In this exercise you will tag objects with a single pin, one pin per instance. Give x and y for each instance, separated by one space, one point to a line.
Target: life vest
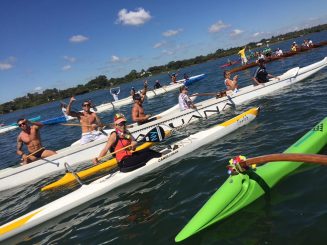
122 140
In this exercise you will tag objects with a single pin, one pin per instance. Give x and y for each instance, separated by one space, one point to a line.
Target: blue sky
63 43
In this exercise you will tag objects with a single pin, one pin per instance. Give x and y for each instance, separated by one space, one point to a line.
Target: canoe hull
112 181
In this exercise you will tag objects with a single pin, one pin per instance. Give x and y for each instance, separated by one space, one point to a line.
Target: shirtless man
89 122
138 114
31 138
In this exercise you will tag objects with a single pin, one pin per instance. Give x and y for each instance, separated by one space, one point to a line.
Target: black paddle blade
156 134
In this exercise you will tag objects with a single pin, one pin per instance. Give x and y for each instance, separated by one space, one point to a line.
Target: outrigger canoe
242 189
109 182
12 177
273 58
150 93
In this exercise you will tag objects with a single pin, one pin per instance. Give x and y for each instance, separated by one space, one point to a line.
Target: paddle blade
156 134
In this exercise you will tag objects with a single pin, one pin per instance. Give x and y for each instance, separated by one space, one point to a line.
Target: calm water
154 208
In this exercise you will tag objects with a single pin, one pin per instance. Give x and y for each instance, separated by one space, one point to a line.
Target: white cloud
70 59
78 39
114 59
66 67
133 18
218 26
159 44
7 64
236 32
170 33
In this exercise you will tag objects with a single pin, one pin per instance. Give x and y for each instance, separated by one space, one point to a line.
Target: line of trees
102 82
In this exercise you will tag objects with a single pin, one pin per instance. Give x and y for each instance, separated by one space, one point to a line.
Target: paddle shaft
79 125
293 157
31 154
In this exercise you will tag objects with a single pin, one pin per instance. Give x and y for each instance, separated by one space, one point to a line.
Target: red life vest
122 142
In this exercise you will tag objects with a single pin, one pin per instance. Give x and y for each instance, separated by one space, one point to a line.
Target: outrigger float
243 188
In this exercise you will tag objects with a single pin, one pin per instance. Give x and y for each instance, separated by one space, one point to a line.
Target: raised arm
69 111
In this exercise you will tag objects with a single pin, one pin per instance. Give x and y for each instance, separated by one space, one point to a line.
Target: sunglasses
86 105
21 124
121 124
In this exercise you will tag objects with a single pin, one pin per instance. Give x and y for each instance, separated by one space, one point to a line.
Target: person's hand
94 126
133 145
72 99
235 77
24 159
148 116
95 161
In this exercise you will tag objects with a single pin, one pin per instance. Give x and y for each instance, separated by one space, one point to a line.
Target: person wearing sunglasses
30 136
89 121
123 144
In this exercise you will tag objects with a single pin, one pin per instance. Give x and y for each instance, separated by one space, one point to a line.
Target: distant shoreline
102 82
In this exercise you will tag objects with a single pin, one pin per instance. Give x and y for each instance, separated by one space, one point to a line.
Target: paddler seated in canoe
294 47
132 92
30 136
231 85
173 77
184 100
261 75
115 93
123 143
157 85
89 121
138 114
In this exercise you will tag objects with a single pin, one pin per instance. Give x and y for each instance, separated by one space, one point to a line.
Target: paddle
111 125
293 157
240 164
156 134
217 95
31 154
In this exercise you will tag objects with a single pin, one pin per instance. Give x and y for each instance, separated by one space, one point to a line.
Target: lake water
154 208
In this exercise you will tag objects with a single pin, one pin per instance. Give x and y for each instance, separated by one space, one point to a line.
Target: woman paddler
123 143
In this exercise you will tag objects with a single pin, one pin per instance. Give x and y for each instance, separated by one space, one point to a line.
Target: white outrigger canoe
150 94
111 181
13 177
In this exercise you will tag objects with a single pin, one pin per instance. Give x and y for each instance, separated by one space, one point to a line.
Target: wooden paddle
31 154
111 125
217 95
293 157
156 134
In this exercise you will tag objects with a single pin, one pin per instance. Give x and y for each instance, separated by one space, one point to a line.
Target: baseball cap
137 97
119 117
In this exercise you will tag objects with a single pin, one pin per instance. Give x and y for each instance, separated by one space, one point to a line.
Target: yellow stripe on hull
18 223
107 165
253 111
